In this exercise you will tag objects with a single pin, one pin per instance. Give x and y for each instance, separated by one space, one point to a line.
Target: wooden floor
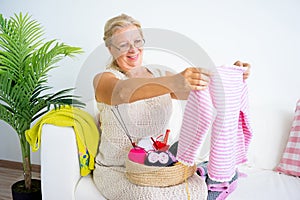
10 172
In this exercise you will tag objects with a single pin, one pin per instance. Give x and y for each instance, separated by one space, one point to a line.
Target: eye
138 42
153 157
163 158
124 45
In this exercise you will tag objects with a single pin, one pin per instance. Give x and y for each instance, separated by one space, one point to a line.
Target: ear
109 49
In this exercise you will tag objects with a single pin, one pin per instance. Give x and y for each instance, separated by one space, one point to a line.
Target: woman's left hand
247 72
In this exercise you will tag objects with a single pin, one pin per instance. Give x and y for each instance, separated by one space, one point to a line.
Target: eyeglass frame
130 45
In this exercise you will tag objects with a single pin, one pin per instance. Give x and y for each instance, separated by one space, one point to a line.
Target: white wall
264 33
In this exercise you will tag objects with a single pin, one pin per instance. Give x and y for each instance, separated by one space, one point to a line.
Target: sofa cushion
270 128
87 190
266 184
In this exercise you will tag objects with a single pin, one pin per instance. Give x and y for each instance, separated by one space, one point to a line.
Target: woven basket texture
144 175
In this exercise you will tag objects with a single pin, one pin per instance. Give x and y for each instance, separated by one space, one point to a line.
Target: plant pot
20 193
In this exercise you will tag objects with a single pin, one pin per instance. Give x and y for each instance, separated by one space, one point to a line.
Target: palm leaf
25 60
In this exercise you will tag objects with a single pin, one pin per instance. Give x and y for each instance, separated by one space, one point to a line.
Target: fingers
246 74
197 78
200 70
196 87
200 76
196 82
242 64
246 65
238 63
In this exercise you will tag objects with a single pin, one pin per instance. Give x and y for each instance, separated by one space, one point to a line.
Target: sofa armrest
60 171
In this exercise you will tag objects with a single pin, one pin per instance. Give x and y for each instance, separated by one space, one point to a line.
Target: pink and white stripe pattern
227 95
290 161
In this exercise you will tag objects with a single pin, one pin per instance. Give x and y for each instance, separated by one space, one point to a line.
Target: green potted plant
25 60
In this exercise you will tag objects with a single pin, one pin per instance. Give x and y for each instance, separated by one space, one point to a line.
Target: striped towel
290 161
227 95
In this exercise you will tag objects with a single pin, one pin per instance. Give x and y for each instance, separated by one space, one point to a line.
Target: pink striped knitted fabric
290 161
227 95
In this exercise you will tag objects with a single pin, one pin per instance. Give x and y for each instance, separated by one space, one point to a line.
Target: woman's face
127 47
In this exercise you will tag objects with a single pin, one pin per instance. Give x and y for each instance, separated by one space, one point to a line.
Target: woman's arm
113 91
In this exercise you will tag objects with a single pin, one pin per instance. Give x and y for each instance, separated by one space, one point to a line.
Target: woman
142 97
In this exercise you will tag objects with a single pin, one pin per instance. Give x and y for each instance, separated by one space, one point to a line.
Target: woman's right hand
191 78
195 78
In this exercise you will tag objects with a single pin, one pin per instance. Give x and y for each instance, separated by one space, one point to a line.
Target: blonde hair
117 23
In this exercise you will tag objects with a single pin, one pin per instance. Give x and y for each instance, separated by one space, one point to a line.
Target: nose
132 48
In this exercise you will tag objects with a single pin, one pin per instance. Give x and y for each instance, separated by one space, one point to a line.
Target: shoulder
103 76
110 72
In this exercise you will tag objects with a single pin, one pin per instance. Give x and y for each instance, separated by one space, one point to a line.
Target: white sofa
60 166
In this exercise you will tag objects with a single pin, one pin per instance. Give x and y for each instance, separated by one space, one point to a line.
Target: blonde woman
143 99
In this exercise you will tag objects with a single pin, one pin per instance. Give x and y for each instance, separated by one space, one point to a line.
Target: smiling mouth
134 57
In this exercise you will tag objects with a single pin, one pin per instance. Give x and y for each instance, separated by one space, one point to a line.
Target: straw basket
157 176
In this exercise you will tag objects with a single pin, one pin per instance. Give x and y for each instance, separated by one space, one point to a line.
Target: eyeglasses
125 46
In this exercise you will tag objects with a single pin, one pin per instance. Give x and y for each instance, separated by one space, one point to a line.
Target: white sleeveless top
143 118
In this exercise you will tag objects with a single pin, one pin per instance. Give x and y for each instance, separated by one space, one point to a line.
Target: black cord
122 123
